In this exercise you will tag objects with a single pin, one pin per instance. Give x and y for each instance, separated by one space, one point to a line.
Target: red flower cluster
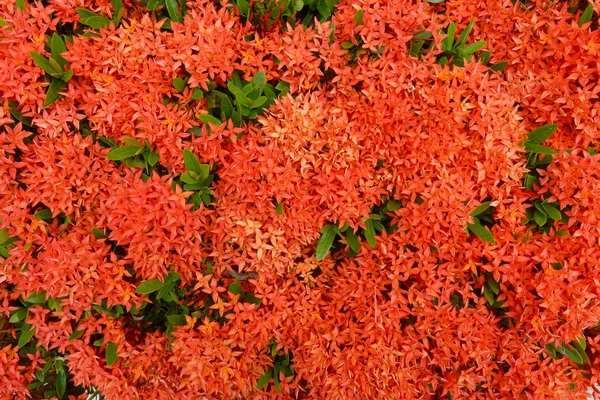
475 271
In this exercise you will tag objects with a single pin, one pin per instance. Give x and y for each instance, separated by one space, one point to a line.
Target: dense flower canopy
299 199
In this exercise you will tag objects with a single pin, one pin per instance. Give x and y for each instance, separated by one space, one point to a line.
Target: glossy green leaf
448 41
154 4
177 319
552 211
264 379
494 286
191 163
481 232
44 214
572 354
173 10
60 384
481 208
474 47
358 17
121 153
3 236
58 47
25 335
370 233
328 234
76 335
118 12
207 118
149 286
179 84
42 62
501 66
20 315
541 134
462 38
586 16
352 240
259 80
539 217
53 93
489 295
111 353
539 149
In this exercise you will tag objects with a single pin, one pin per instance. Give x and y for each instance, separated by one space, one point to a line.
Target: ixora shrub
289 199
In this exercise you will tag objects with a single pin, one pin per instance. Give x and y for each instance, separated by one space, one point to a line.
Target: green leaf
152 158
573 355
67 75
489 295
358 17
448 41
154 4
539 149
501 66
173 10
44 214
226 107
435 1
21 5
191 162
539 217
235 287
76 335
20 315
121 153
179 84
276 381
279 208
283 87
3 22
60 384
562 233
99 233
370 233
42 62
25 336
328 235
258 102
53 92
3 236
474 47
484 57
264 379
37 298
206 118
132 142
118 13
177 319
552 211
586 16
85 14
481 232
541 134
352 240
481 209
58 47
259 81
462 39
111 353
493 285
149 286
393 205
95 22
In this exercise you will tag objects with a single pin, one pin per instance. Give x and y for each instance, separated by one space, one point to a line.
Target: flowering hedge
299 199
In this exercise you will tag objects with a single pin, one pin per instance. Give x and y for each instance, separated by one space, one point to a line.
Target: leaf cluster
135 154
378 221
282 364
454 51
56 67
97 21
